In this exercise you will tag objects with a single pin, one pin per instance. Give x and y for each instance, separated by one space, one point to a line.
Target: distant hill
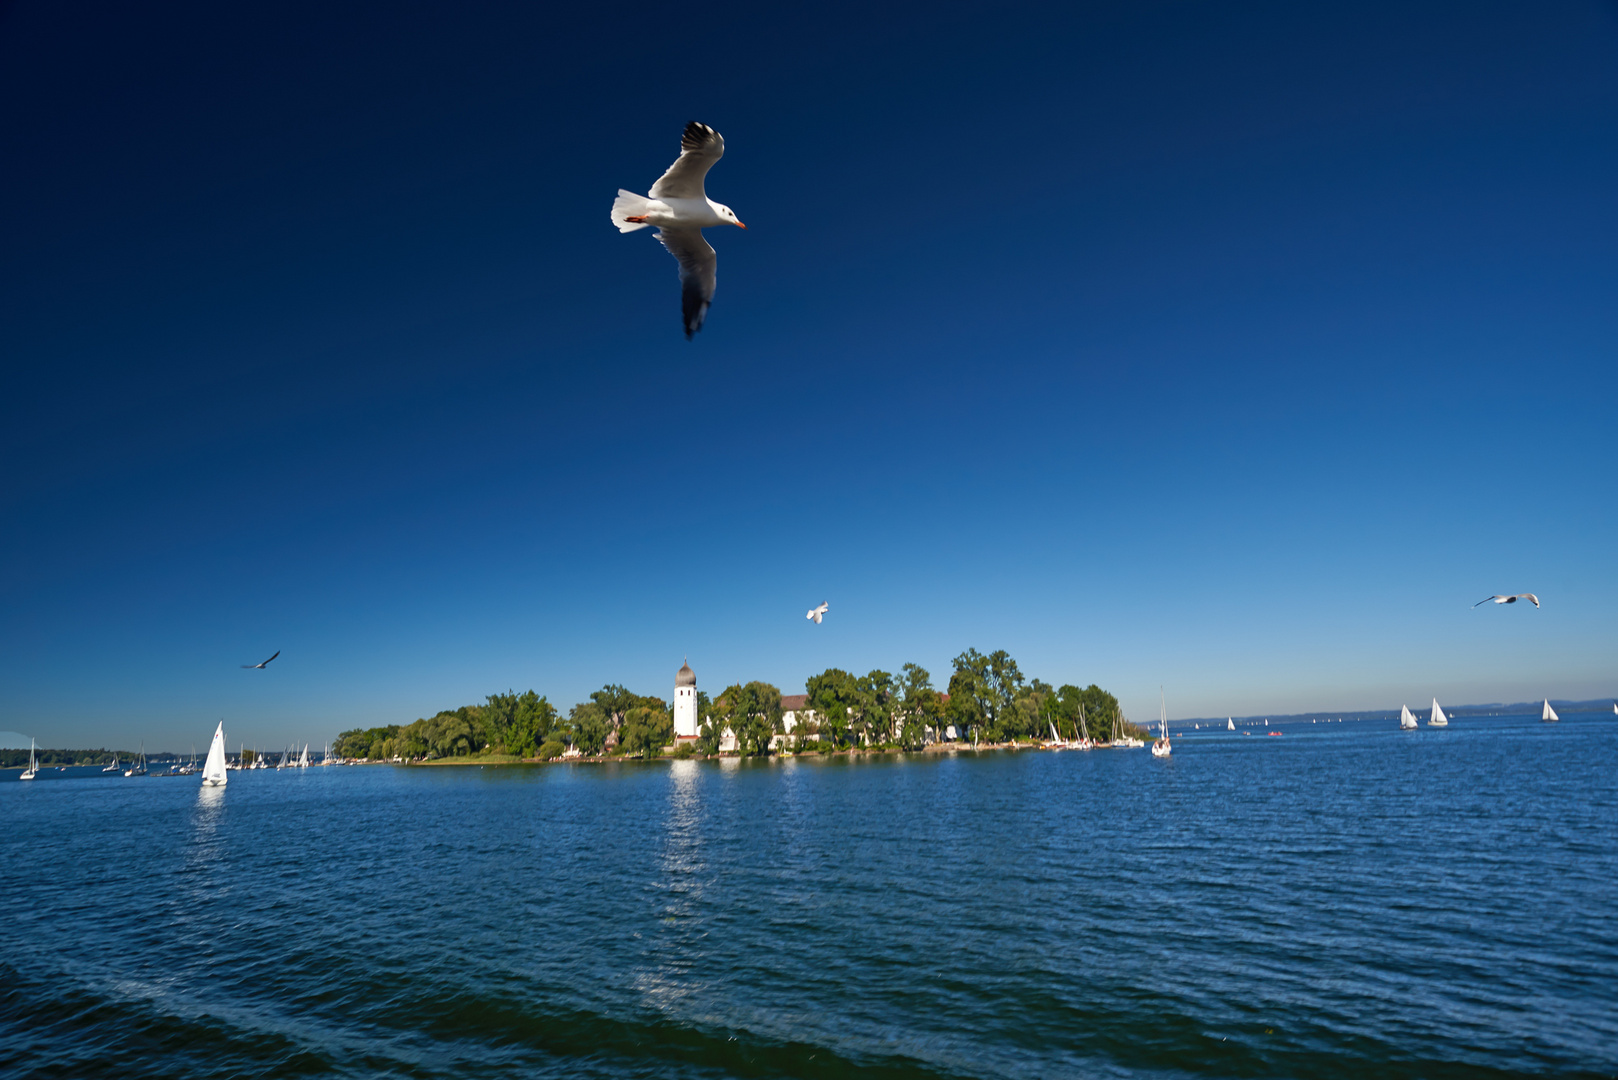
11 758
1494 708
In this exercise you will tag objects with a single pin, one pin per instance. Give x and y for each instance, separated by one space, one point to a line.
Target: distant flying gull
1509 599
816 614
680 208
277 653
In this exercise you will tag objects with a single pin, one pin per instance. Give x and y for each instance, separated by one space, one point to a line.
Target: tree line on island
988 700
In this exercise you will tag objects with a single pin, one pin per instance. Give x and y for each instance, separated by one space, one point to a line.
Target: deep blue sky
1236 349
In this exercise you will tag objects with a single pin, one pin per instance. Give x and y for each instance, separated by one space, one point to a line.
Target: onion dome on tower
685 676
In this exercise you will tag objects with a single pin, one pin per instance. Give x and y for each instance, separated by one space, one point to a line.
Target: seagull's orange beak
739 225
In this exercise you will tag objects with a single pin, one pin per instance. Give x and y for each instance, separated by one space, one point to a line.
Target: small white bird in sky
1509 599
816 614
680 208
254 666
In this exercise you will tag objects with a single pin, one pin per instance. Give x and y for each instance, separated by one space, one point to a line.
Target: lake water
1346 900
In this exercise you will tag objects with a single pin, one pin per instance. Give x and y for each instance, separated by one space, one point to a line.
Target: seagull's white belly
686 213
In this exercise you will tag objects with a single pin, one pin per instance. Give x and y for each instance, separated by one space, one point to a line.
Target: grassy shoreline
608 759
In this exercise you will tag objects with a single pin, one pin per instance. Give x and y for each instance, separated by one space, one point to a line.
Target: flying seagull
1509 599
680 208
277 653
816 614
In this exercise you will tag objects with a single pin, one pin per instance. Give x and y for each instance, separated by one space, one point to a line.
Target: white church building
687 723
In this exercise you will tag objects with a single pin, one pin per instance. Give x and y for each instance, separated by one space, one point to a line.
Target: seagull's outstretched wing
700 147
1530 596
277 653
1486 599
698 273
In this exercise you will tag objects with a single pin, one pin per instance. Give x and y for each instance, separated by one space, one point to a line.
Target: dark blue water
1343 901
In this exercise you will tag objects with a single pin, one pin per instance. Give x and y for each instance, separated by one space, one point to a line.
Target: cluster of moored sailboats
215 768
1117 738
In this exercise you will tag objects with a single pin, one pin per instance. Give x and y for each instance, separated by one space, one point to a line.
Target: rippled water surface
1342 901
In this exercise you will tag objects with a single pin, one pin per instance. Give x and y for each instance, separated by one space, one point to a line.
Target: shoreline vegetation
988 704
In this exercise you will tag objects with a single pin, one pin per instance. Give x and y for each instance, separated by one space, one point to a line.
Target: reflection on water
661 979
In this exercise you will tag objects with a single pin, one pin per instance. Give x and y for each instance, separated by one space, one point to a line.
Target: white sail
213 771
33 767
303 758
1161 747
1549 715
1407 719
1230 724
1438 719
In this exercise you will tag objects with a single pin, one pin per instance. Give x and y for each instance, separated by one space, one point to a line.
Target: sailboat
115 766
1161 747
33 766
303 758
1230 725
1085 742
138 766
1437 719
213 770
1407 719
1549 715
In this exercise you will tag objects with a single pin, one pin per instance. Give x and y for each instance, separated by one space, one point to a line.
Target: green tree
875 699
646 730
588 725
1099 708
921 707
833 695
708 737
971 704
982 696
753 714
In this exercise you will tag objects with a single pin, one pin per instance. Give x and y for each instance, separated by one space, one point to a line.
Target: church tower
685 703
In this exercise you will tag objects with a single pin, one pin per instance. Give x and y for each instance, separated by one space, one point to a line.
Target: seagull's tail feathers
626 206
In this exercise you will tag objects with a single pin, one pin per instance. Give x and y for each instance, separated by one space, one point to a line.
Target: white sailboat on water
1437 719
1407 719
1230 724
213 770
33 766
1549 715
303 758
1161 748
138 766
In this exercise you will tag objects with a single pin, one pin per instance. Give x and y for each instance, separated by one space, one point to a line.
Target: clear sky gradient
1232 348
